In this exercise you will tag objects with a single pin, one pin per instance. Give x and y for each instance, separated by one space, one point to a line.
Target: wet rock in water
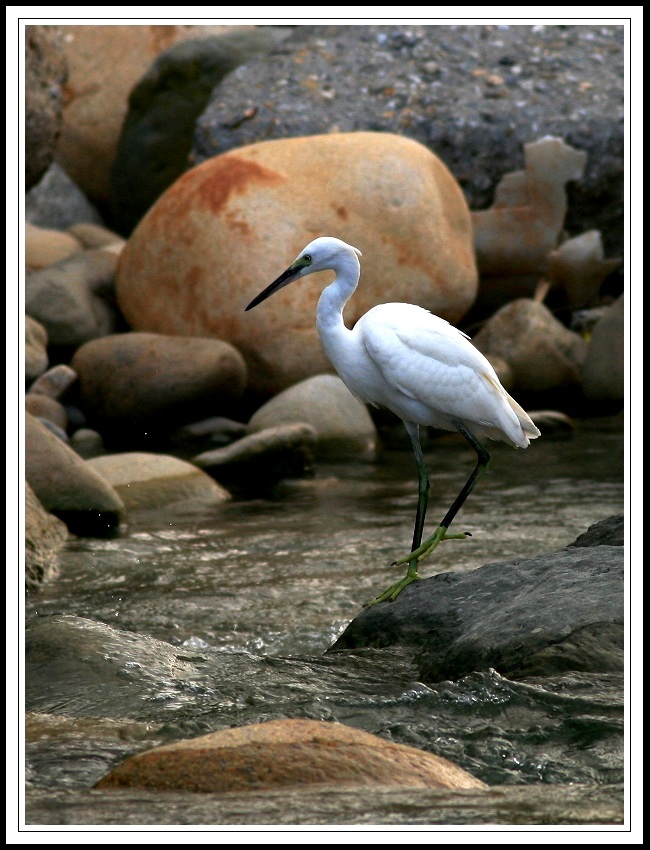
135 388
401 809
96 665
45 536
285 754
343 425
536 617
264 458
155 481
67 487
241 218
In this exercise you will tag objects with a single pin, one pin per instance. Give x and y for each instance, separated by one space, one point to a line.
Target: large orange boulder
228 227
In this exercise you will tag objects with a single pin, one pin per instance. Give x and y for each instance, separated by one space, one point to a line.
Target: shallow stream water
190 623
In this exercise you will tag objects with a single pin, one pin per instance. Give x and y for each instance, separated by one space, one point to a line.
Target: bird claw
429 545
413 559
394 590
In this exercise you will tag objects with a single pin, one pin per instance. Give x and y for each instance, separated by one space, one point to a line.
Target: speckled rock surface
473 94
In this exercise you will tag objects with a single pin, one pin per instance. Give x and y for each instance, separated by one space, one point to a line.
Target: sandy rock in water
286 753
157 481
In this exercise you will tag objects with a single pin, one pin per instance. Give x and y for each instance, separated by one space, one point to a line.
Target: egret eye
307 259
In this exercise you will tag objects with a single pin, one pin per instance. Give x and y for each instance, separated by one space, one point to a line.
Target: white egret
403 358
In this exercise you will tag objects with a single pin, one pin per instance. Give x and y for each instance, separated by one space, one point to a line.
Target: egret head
325 252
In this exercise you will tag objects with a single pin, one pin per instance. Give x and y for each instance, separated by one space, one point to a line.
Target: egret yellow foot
430 544
394 590
413 559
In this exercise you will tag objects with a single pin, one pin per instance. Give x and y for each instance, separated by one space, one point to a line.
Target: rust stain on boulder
230 175
210 186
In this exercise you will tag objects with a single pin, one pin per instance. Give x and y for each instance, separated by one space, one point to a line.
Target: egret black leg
482 463
423 484
421 550
420 513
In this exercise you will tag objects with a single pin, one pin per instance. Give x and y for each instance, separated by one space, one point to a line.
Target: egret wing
428 361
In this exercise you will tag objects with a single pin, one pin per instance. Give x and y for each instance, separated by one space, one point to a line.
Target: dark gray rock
607 532
542 616
473 94
205 435
260 460
57 202
156 137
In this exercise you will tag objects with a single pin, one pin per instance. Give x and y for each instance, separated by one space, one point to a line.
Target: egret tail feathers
524 430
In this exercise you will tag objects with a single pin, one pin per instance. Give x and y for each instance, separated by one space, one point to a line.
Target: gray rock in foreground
538 617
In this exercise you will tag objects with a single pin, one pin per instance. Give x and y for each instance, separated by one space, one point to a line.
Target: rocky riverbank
480 171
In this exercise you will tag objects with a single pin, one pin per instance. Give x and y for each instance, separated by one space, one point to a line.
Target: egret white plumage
427 372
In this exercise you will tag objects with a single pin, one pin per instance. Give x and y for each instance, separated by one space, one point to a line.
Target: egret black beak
285 278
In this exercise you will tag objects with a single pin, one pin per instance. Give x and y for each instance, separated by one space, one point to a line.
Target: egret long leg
424 486
440 534
423 497
419 550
